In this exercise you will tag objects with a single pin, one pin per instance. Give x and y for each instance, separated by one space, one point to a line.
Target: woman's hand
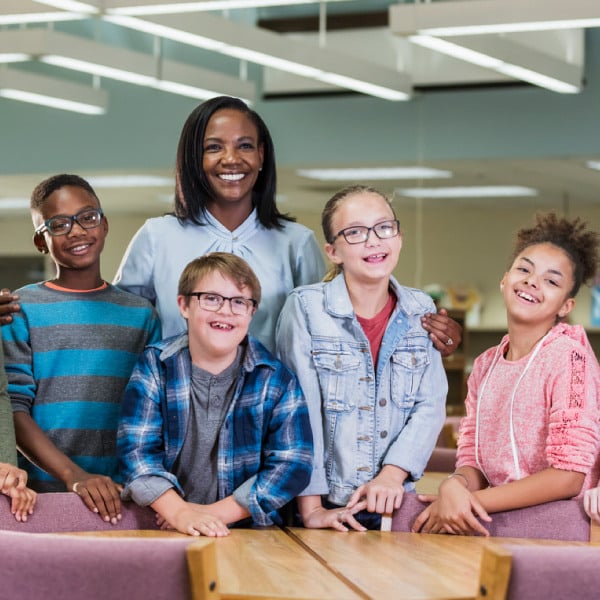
8 306
445 333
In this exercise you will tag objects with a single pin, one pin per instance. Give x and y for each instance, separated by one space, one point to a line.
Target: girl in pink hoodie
531 433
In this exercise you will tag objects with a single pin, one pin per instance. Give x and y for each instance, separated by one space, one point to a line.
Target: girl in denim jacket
373 380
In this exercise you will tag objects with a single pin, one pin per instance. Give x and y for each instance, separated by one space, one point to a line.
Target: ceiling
559 181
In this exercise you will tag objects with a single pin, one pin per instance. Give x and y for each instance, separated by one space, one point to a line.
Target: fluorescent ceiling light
38 17
486 191
479 17
376 173
274 50
509 58
593 164
52 92
12 57
129 181
159 7
88 56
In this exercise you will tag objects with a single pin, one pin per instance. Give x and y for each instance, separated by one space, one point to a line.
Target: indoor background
481 127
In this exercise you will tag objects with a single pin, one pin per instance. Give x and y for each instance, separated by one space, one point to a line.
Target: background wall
444 242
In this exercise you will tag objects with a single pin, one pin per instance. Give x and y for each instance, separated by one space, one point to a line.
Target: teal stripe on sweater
77 415
79 363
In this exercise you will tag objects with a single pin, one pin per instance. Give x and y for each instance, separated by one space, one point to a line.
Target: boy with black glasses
214 429
70 351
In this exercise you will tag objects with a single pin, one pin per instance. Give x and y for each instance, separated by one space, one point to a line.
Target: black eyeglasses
88 218
360 233
213 302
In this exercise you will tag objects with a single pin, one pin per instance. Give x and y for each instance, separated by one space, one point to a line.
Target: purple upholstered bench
39 566
523 572
63 512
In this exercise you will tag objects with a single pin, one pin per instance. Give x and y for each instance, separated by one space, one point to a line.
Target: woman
224 202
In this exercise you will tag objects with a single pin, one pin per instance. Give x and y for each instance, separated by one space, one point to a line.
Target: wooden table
404 565
263 563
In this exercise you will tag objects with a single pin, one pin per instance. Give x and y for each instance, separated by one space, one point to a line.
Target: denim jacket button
382 402
383 434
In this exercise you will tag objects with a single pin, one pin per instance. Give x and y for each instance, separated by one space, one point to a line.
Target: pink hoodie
555 412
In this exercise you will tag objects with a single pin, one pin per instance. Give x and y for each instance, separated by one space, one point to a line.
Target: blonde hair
228 265
330 209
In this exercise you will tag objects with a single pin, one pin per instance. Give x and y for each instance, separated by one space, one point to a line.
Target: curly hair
572 236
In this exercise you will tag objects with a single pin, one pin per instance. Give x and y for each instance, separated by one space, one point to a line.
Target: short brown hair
229 265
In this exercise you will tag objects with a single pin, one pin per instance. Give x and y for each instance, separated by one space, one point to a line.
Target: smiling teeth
222 325
526 297
232 176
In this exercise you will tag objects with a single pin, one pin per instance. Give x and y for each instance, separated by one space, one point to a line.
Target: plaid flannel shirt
265 438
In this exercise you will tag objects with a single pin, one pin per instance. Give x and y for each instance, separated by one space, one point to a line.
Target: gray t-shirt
210 398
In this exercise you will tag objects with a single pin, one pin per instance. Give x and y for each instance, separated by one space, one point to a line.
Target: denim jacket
363 416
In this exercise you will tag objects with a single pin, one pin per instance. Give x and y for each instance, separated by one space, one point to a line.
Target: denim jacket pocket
337 372
408 365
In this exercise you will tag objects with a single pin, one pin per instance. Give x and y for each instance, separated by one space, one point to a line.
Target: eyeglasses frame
44 227
341 232
198 295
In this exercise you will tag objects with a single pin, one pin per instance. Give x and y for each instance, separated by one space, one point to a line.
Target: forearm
169 505
38 448
308 504
228 510
545 486
472 478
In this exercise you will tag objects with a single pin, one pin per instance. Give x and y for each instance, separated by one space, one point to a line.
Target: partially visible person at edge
531 433
70 351
374 383
13 481
225 201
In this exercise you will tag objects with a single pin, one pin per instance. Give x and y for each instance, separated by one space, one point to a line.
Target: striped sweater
68 357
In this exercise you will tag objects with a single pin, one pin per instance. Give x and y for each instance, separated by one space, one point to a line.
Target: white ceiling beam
158 7
476 17
274 50
88 56
509 58
15 12
51 91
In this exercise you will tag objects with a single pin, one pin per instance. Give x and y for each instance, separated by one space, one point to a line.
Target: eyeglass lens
87 219
360 233
214 302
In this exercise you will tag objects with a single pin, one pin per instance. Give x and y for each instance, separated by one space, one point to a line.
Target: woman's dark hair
580 244
192 190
